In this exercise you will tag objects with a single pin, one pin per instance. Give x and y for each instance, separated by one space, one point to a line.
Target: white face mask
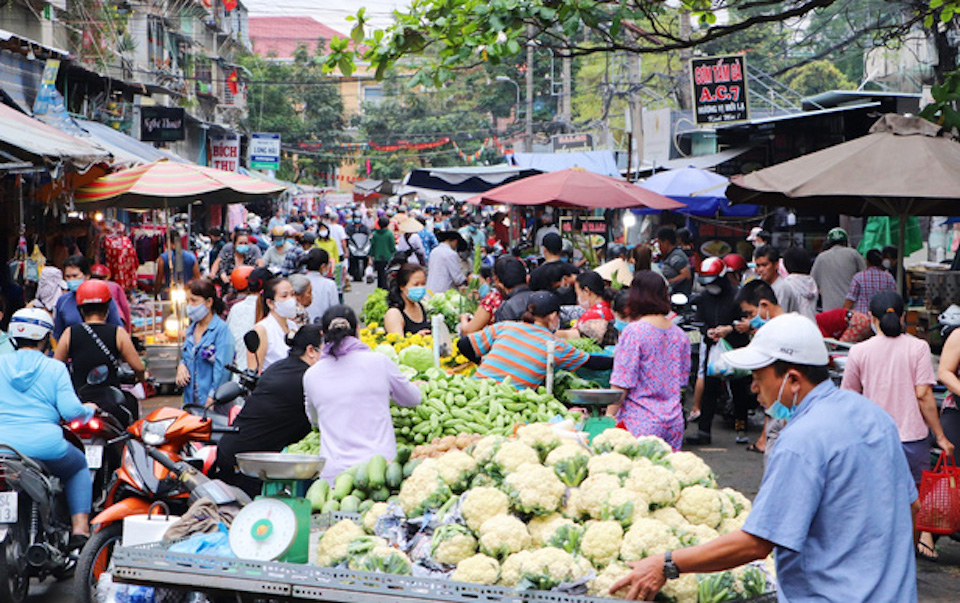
887 264
286 308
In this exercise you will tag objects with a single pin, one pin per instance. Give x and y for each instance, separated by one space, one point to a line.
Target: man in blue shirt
837 502
76 269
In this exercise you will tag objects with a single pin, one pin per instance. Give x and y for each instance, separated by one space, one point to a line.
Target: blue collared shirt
206 360
835 500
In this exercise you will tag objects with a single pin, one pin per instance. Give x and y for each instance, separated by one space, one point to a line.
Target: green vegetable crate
596 400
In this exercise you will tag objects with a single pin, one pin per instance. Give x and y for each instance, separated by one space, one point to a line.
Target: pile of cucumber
356 489
452 405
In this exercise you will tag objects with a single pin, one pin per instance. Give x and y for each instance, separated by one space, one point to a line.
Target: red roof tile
279 36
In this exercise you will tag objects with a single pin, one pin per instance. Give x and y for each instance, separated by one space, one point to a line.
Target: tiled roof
279 37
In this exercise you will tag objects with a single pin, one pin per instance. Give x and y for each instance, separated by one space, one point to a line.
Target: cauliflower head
383 559
534 489
547 567
695 534
539 436
456 469
652 447
614 440
335 542
647 537
657 485
601 542
690 469
741 503
478 569
511 456
503 535
731 524
684 589
480 504
557 531
423 490
624 506
372 515
613 463
600 586
569 461
750 581
485 448
573 505
700 505
594 492
671 517
452 543
510 569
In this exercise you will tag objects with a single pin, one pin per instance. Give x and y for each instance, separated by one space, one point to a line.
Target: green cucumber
317 494
403 454
360 477
342 486
350 504
394 474
380 494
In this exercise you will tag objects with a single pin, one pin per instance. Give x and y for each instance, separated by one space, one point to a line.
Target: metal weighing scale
596 400
276 525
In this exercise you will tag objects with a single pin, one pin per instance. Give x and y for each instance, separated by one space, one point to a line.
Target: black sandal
753 448
933 556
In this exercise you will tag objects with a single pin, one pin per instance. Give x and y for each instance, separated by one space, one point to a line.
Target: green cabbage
418 357
387 350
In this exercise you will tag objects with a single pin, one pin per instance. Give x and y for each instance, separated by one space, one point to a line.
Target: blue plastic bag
215 543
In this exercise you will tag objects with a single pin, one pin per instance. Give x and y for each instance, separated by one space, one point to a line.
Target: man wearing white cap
837 499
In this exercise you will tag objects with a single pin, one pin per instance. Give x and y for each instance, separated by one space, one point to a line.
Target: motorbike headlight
155 432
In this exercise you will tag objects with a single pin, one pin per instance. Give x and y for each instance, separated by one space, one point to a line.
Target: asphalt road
733 464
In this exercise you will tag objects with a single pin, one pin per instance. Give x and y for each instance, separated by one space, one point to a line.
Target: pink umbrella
575 188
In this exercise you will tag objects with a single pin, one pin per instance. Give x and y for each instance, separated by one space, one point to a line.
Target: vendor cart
160 326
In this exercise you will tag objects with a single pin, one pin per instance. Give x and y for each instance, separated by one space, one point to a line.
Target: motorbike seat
12 456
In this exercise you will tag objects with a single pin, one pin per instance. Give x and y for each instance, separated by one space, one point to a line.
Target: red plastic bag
940 498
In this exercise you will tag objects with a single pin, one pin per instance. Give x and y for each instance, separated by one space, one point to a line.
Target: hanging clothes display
121 258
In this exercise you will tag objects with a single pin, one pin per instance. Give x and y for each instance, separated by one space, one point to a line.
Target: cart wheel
94 559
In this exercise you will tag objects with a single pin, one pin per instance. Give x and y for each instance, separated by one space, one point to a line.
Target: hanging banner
225 152
719 89
264 151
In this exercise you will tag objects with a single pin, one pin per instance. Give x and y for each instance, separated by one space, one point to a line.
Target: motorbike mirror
252 341
98 375
228 392
679 299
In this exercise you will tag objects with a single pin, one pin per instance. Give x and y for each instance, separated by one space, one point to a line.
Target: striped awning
168 184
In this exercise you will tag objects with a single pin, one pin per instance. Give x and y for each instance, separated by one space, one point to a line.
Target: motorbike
153 469
35 523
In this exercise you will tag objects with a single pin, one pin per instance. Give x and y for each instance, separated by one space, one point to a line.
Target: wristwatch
670 569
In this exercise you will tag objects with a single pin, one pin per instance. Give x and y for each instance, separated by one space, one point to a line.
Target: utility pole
566 97
528 134
635 108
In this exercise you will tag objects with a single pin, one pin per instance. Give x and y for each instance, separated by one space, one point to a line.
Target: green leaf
513 47
947 15
935 4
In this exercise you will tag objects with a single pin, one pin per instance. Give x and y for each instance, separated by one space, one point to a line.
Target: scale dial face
263 530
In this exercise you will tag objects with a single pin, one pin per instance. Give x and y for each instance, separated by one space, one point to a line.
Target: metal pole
901 248
528 133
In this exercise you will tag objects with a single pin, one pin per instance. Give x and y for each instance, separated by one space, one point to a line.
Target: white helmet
31 323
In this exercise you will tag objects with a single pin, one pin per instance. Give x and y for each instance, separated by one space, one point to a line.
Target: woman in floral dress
651 364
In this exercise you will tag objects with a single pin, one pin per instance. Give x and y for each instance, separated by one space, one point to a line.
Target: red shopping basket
940 498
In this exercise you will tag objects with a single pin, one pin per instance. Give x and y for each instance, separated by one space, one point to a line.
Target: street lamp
503 78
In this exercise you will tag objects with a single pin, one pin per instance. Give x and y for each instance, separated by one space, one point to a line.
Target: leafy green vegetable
387 350
586 344
564 381
375 308
451 304
417 357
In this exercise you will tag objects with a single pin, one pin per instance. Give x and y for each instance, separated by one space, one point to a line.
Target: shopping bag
718 367
940 498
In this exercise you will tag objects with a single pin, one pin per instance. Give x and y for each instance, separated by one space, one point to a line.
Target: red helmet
711 269
93 292
735 262
99 271
238 278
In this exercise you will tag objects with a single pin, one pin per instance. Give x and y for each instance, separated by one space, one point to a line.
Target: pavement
733 465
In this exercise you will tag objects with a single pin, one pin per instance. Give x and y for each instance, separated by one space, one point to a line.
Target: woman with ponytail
895 370
348 393
273 416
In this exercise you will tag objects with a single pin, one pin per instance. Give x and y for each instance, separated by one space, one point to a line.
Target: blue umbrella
703 192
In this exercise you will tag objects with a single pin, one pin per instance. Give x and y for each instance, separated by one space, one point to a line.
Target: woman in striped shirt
518 350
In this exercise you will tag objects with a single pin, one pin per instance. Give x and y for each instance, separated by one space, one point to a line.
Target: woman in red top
592 295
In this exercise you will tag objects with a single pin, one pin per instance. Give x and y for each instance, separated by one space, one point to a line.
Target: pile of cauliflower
536 512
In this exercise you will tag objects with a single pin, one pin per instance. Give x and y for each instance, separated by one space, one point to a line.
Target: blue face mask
279 242
756 322
620 325
415 294
243 248
780 412
74 284
484 290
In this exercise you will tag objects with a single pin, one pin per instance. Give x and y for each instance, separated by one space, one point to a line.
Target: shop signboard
264 151
225 152
572 142
719 89
161 124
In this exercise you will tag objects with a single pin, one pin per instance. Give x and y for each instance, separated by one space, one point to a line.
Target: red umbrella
575 188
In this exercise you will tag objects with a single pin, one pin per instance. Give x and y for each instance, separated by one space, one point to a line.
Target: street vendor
837 495
348 394
518 350
406 314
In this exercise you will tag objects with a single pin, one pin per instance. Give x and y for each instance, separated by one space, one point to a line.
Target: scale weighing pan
591 397
280 465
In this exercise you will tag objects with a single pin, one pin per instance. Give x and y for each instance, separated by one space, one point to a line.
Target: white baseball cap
789 337
753 233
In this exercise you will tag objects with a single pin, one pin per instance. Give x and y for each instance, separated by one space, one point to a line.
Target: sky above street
328 12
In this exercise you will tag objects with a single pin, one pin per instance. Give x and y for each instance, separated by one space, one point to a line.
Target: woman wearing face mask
518 350
651 364
241 252
207 346
894 370
347 395
76 270
278 306
273 416
406 314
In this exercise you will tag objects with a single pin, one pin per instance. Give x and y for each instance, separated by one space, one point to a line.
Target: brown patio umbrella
903 167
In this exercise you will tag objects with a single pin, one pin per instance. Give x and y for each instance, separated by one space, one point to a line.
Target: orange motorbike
152 469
